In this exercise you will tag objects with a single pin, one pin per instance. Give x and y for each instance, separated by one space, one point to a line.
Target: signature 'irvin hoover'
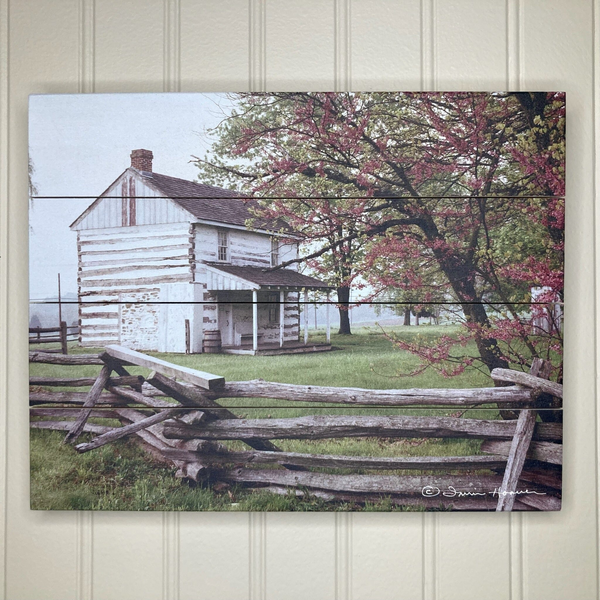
431 491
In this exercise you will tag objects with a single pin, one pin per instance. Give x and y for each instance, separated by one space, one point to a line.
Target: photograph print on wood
297 301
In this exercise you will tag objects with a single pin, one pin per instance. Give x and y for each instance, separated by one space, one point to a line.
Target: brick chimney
142 160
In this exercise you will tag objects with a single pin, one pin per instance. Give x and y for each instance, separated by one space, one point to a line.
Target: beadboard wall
66 46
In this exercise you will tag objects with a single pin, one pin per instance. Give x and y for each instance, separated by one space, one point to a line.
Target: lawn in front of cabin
121 476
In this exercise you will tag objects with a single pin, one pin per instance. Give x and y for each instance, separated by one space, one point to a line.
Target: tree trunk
460 272
343 294
487 346
407 316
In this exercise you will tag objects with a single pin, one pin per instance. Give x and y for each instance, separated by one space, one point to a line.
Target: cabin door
226 324
174 327
176 323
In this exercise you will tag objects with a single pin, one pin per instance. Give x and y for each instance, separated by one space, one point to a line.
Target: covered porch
258 309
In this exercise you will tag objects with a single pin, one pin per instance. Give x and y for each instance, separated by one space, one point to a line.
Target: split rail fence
174 414
52 335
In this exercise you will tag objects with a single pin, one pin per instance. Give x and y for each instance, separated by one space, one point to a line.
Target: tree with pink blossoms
440 195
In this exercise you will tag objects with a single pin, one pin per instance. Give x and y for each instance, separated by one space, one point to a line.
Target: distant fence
53 335
519 470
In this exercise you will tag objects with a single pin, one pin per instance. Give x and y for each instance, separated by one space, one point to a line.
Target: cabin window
223 245
274 251
273 301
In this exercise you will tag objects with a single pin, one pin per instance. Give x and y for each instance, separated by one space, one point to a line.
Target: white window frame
222 245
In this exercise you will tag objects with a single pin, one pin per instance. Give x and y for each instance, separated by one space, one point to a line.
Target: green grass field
121 476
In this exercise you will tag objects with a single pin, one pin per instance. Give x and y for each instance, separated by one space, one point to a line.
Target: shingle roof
210 203
267 277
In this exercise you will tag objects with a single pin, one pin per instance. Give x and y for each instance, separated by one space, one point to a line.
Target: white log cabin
165 264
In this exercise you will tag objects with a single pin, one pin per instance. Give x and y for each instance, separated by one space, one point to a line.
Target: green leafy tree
402 159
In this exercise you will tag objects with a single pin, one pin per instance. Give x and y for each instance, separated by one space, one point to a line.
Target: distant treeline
46 315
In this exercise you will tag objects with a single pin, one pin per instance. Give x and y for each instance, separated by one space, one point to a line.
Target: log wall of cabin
248 248
126 265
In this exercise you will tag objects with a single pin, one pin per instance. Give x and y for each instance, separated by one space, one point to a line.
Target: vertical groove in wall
343 82
171 83
515 550
513 35
524 557
427 45
4 73
86 45
85 556
513 83
429 521
343 556
343 45
257 522
513 63
596 193
257 40
257 82
170 544
520 42
85 520
429 558
172 53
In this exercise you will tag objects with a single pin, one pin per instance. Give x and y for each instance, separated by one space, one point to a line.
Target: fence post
187 337
63 337
519 447
328 330
305 316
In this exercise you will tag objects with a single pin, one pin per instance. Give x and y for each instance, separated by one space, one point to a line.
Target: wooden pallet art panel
297 301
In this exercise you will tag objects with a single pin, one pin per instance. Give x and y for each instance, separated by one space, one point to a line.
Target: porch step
276 350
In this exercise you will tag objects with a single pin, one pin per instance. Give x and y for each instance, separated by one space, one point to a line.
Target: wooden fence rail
61 334
328 427
356 396
174 414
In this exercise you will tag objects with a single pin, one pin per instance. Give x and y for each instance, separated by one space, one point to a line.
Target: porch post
254 320
281 317
305 316
328 321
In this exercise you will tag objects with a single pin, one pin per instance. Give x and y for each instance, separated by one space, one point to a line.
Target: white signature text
431 491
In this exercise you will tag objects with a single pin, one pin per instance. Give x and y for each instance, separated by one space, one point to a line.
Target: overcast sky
79 144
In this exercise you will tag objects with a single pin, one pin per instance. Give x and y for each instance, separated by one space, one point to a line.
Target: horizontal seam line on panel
288 407
291 303
490 197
